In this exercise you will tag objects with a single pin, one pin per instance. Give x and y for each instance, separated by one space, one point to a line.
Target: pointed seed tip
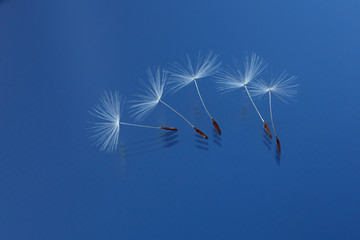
201 133
169 128
216 126
266 127
278 145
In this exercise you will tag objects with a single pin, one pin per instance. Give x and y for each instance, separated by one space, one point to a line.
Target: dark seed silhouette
216 126
201 133
278 145
267 129
169 128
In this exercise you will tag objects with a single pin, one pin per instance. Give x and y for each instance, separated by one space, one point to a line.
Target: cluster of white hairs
247 76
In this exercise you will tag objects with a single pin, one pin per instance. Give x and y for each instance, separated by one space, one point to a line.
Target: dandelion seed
182 75
108 111
282 87
231 79
152 95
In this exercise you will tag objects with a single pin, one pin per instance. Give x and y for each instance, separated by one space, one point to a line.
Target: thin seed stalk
176 112
215 124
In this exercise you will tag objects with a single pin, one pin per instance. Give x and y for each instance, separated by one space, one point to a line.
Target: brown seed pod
278 145
169 128
201 133
216 126
267 129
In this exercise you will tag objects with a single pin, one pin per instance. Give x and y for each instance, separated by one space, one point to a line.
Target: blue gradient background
56 57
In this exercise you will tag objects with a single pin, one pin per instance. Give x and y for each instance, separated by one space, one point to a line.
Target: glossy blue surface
57 57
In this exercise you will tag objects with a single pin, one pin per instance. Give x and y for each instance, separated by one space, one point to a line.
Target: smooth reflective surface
57 58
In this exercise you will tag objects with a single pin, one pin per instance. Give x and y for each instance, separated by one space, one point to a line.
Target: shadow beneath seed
169 136
165 140
266 136
277 158
170 144
216 138
201 143
202 147
266 140
267 144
